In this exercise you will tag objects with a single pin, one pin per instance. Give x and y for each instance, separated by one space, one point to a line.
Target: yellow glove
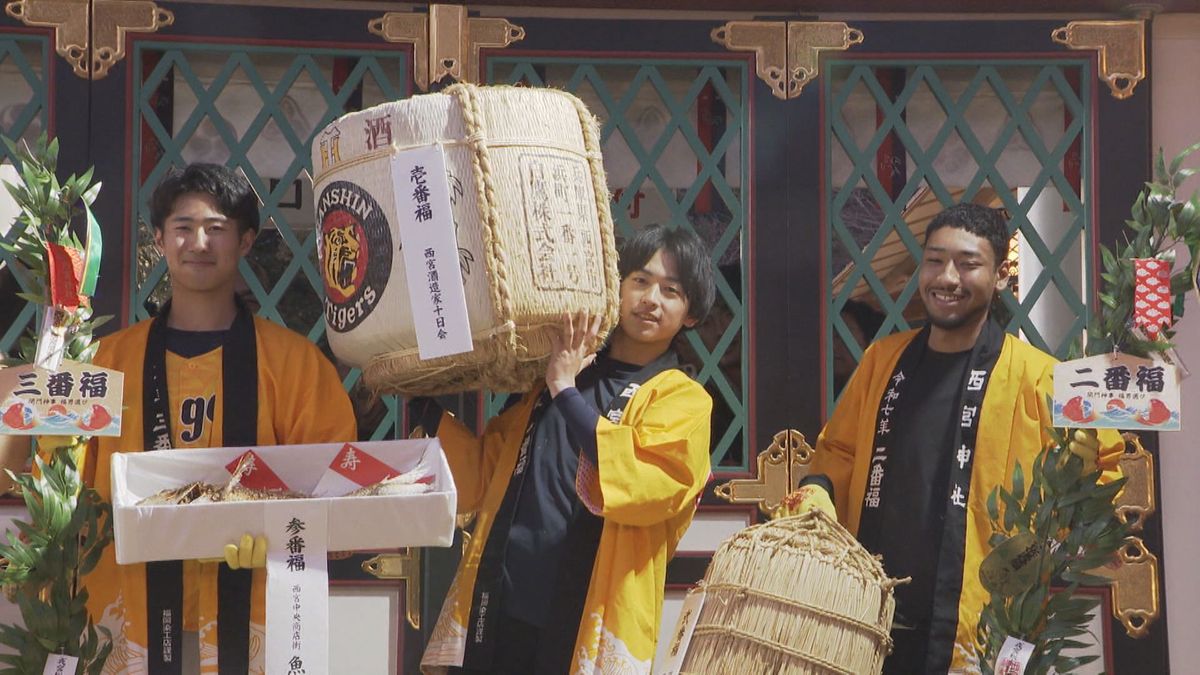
1085 444
805 498
250 552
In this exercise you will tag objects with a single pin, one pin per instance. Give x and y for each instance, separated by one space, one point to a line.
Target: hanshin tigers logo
356 253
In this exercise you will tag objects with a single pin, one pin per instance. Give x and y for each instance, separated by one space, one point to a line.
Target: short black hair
232 191
981 221
691 258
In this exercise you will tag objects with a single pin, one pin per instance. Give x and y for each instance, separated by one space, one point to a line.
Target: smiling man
930 422
204 373
584 487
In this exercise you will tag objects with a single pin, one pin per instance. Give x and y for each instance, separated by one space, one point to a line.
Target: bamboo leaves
69 525
1072 519
1159 223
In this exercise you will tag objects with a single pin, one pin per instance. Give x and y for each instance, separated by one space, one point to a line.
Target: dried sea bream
411 483
190 493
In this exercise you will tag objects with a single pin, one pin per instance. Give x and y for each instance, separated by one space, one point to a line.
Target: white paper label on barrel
430 248
682 635
297 587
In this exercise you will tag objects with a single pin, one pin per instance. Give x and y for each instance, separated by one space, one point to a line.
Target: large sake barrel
796 595
531 218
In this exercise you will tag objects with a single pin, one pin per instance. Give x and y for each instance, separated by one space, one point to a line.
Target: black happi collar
239 427
951 551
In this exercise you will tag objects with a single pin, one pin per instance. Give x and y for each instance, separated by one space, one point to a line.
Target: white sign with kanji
74 399
1117 391
429 244
297 588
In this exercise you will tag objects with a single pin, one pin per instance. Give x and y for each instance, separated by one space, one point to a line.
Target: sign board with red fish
75 399
1117 391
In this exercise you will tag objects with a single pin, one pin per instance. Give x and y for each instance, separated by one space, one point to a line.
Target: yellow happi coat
1012 428
652 467
300 400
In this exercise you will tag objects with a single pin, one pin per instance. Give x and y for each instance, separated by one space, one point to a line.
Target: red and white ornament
1152 295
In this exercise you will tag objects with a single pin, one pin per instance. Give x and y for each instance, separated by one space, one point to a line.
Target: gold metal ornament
780 468
1120 44
806 40
404 566
103 31
1136 501
1134 587
446 42
787 54
407 28
768 41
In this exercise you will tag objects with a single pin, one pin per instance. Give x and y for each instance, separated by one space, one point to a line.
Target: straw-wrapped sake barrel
795 595
531 214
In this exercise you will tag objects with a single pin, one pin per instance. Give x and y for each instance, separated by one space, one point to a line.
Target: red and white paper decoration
1152 295
256 475
350 470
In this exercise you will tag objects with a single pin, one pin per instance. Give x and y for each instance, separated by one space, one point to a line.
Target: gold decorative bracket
1122 49
780 469
1134 587
787 54
1136 501
407 567
446 42
103 32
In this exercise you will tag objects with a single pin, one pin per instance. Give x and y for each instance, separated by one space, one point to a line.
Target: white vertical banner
297 588
430 248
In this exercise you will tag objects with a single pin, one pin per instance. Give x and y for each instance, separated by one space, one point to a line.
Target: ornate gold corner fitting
446 42
806 41
407 567
1122 49
1134 587
407 28
104 31
787 54
780 468
768 41
1136 502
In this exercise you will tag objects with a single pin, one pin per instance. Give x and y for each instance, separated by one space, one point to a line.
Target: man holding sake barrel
931 421
204 373
584 487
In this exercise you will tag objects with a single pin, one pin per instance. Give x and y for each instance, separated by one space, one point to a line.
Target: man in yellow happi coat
584 487
204 373
931 421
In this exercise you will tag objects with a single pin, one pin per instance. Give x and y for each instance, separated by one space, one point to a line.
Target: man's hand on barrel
573 348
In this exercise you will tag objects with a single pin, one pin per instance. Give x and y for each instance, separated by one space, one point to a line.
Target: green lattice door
24 113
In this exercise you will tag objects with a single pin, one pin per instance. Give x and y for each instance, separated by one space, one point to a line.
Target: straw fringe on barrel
796 595
510 354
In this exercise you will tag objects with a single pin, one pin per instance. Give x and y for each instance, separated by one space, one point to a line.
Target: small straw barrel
795 595
530 206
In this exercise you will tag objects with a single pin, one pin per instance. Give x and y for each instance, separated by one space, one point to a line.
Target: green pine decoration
69 524
1064 507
